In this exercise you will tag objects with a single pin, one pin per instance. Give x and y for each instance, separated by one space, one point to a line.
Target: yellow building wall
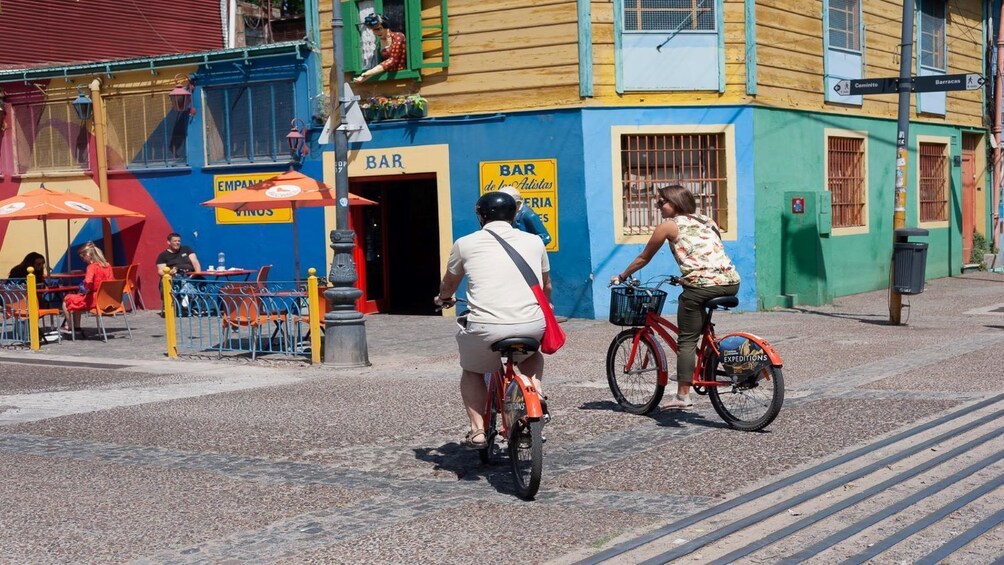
523 54
504 55
790 57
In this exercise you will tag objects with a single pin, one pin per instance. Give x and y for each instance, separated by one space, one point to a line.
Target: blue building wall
531 135
179 195
608 257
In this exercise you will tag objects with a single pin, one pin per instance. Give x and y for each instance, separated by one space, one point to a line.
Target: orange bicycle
740 372
514 415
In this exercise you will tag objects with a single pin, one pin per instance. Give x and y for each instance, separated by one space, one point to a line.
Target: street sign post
931 83
938 83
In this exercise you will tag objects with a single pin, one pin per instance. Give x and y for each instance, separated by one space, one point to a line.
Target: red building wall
34 32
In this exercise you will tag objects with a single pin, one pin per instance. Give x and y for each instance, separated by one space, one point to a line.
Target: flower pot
416 112
990 260
372 113
395 112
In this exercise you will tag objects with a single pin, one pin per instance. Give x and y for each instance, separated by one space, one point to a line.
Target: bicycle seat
517 344
721 302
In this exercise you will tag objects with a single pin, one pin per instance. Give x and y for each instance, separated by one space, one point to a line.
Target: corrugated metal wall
59 31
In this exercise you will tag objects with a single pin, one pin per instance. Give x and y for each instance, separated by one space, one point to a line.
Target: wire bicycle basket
629 305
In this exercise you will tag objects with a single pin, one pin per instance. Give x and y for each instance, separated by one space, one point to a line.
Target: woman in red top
98 270
393 48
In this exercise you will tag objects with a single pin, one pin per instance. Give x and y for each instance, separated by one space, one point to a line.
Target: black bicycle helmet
495 206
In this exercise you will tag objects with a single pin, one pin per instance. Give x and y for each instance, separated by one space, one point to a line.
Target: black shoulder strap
524 269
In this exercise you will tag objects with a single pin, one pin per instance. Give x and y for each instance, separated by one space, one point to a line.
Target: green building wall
797 265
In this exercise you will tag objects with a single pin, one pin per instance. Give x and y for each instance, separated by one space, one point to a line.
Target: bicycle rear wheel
751 404
636 386
526 451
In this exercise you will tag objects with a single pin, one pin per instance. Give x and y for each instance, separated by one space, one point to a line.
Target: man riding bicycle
501 304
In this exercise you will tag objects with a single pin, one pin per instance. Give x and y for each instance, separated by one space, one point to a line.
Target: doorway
969 143
397 244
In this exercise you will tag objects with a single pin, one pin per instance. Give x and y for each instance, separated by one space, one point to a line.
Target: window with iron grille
49 137
248 123
144 131
846 180
653 161
932 34
845 24
669 15
933 182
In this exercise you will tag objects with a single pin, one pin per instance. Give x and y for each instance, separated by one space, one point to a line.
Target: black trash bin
909 260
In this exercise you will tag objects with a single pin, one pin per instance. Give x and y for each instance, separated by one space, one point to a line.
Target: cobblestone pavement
111 452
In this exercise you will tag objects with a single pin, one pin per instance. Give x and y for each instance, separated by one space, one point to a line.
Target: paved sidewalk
112 452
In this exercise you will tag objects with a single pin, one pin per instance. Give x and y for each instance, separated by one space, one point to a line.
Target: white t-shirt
496 292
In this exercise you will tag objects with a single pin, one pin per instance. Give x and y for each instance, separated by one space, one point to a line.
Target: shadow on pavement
664 418
466 465
875 319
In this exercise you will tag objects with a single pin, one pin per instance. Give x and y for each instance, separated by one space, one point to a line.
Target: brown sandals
475 439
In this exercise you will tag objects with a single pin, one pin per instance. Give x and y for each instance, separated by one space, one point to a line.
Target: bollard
314 304
170 332
31 292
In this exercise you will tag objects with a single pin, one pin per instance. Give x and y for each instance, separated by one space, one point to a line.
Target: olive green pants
690 318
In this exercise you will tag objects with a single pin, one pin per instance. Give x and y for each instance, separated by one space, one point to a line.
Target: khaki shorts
475 342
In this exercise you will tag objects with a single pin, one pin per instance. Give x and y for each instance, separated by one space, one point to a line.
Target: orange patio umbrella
291 189
45 204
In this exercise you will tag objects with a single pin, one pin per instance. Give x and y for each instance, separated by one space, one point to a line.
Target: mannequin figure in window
393 48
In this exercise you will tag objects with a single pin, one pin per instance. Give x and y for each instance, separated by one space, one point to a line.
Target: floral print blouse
395 55
700 253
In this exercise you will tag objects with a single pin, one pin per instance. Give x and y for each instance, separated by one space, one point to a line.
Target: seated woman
33 259
98 270
393 48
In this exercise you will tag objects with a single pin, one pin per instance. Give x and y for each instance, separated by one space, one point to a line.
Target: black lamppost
344 326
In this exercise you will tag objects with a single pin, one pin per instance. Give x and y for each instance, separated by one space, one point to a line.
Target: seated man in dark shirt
178 258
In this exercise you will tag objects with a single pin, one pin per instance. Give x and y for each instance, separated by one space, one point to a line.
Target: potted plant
417 106
373 108
395 109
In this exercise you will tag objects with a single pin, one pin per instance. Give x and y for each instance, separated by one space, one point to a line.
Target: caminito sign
930 83
228 183
537 181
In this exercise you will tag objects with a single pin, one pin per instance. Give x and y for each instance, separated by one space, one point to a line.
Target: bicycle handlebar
631 281
450 305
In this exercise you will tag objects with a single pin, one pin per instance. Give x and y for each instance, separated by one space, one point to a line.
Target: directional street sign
933 83
938 83
860 86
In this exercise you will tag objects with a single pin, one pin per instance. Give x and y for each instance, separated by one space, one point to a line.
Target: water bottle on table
221 262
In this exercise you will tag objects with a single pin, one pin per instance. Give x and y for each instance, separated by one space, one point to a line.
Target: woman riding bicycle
501 304
707 272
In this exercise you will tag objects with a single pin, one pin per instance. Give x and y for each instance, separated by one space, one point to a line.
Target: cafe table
222 274
67 276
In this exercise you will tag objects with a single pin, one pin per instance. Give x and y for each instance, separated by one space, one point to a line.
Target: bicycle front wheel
752 404
526 451
635 385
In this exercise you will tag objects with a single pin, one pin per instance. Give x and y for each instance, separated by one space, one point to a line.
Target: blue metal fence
13 300
240 317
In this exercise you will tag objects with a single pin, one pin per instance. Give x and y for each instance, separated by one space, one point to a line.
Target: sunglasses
660 202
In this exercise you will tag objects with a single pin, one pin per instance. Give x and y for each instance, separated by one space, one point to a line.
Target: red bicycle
740 372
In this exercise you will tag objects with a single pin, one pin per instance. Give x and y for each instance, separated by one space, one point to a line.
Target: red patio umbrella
45 204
